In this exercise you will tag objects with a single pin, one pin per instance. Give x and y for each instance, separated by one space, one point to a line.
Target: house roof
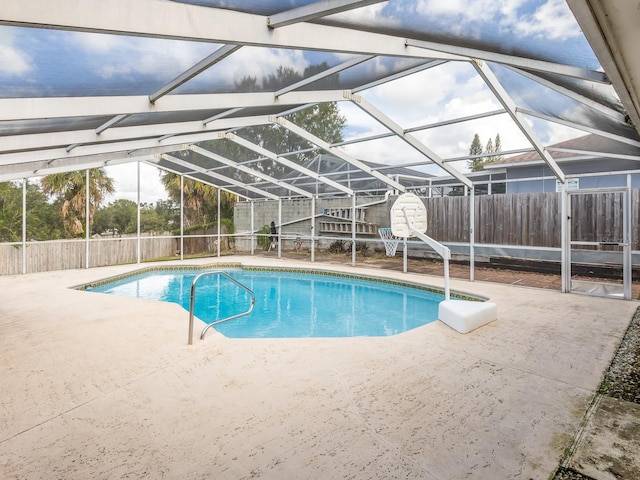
104 82
586 147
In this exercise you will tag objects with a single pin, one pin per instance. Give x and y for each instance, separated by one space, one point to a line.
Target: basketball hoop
390 242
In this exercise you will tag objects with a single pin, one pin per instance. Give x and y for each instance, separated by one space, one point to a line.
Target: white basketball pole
404 255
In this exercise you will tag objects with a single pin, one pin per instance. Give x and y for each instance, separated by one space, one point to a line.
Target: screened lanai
93 83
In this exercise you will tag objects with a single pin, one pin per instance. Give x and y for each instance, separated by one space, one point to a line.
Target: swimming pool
289 303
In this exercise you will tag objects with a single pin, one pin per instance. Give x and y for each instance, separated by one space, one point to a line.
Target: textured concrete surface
97 386
609 448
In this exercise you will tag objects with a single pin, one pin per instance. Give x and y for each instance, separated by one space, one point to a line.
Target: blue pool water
289 304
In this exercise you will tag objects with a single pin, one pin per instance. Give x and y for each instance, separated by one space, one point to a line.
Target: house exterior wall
296 216
572 169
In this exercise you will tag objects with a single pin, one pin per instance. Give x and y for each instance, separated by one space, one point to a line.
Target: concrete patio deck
98 386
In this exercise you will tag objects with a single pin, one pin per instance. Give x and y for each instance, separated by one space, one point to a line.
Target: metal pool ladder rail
193 301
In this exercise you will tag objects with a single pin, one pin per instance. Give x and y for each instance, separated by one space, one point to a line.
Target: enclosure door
600 248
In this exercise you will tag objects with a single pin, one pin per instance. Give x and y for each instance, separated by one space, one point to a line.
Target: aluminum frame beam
174 20
419 128
528 63
507 102
110 123
196 169
220 54
407 137
318 9
61 107
155 162
220 115
288 163
326 73
250 171
157 132
402 74
338 153
569 93
595 153
578 126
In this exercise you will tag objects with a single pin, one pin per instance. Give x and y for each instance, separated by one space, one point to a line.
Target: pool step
465 316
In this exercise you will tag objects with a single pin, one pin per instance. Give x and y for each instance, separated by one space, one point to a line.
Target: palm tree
199 198
70 188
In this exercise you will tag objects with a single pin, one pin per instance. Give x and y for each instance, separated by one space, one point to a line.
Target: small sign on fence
572 184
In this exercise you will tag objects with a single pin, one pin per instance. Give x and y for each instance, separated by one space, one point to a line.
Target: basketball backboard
408 212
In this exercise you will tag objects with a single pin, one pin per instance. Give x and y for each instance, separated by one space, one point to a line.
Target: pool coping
459 295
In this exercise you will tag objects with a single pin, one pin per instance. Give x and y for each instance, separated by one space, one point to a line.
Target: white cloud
463 10
369 15
120 55
126 183
552 20
13 60
258 62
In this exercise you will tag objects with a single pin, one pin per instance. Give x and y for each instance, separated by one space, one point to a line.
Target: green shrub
263 237
362 247
337 246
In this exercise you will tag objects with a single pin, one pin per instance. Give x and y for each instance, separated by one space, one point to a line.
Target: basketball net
390 242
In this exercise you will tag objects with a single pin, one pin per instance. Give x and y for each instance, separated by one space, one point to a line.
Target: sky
57 63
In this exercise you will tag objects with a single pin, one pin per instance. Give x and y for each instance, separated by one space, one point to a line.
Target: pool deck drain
96 386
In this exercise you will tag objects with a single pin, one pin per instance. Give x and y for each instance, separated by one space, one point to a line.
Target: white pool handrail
193 301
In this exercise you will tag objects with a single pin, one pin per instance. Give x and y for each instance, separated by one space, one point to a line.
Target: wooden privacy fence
528 219
531 219
70 254
204 240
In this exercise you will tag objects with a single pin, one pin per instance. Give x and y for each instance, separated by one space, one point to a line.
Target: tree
119 217
200 199
10 212
70 188
42 221
497 148
489 147
498 144
475 164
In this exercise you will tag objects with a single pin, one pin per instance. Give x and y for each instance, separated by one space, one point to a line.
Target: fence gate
599 253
